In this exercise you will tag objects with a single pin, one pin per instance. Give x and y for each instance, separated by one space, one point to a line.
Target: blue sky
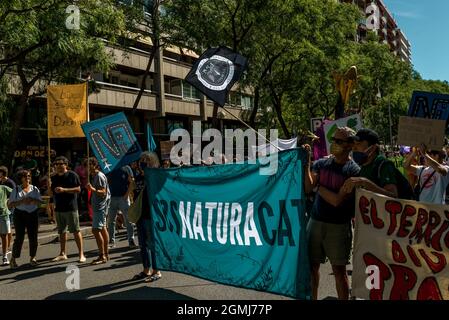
426 25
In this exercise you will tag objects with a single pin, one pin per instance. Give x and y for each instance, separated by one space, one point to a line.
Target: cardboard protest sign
113 141
414 131
401 249
216 71
315 123
429 105
354 122
67 110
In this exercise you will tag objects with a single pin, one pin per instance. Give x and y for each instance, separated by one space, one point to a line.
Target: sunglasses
338 141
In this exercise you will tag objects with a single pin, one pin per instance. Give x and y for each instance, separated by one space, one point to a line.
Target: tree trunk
19 117
252 117
215 120
144 79
277 107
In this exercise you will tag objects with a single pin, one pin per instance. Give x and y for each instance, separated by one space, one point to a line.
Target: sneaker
59 258
82 260
99 260
111 245
5 261
33 262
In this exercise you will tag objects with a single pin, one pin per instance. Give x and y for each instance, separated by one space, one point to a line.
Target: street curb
85 231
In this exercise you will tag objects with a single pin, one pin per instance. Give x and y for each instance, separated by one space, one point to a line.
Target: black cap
366 134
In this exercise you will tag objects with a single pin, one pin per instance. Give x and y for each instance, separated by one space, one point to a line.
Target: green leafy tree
38 48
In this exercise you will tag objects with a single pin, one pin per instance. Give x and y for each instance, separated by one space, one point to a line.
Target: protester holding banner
329 229
433 178
25 199
121 183
101 197
144 232
377 174
65 187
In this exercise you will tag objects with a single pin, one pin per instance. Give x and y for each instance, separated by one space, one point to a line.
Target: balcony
118 96
176 69
130 57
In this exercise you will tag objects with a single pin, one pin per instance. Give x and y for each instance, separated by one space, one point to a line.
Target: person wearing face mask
433 177
329 232
366 153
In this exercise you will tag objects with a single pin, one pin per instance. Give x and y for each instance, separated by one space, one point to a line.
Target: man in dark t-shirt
65 186
329 230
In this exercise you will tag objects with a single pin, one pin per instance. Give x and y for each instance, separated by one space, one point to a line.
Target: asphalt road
112 280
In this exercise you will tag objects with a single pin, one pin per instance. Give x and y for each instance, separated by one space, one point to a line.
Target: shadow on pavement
141 293
31 272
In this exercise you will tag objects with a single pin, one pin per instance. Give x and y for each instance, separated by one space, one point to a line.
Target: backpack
405 190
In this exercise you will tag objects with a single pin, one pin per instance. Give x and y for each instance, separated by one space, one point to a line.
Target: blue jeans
122 204
144 234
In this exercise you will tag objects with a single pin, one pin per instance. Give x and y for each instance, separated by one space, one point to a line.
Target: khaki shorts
333 241
68 220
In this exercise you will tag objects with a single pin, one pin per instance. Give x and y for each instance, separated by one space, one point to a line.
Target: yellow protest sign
67 110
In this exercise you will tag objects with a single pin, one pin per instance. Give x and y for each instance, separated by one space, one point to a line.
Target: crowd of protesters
355 161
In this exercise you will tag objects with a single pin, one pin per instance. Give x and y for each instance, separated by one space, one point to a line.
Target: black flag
216 71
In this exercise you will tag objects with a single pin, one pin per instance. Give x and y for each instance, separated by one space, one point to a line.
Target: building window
173 125
235 99
189 92
247 102
173 86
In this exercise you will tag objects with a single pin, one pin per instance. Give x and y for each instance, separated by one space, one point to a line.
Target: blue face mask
359 157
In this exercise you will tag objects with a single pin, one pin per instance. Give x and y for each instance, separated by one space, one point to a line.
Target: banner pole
88 119
247 125
48 138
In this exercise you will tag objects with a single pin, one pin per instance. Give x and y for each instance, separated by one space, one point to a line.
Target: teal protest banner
232 225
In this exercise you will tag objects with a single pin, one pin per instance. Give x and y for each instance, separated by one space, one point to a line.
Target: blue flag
229 224
150 140
113 141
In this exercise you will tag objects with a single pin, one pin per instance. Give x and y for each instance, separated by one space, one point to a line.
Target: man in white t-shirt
433 178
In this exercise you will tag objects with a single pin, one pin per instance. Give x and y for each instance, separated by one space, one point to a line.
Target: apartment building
388 29
179 104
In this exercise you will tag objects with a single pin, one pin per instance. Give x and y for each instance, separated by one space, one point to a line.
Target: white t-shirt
435 190
19 194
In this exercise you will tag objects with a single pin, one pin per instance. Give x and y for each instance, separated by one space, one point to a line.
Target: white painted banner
401 249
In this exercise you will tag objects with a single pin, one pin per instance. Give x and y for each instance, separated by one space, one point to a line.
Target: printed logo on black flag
215 73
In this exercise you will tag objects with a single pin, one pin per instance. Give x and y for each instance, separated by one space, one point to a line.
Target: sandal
153 278
99 260
140 276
